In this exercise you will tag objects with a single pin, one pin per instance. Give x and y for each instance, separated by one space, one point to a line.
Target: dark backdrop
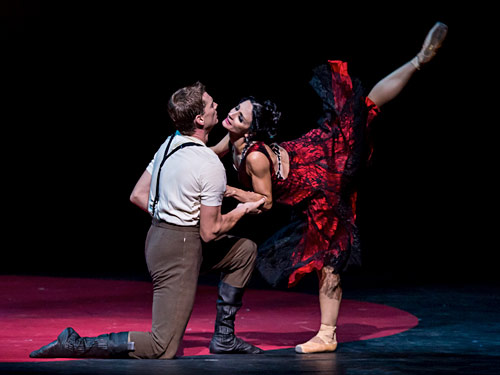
85 87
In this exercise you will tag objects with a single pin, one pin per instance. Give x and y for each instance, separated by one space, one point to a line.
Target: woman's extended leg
390 86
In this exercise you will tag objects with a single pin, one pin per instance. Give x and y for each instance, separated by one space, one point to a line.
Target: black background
85 86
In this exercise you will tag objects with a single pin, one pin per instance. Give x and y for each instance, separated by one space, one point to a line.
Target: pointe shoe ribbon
324 341
431 44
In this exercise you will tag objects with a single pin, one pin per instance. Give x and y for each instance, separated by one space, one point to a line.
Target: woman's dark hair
265 117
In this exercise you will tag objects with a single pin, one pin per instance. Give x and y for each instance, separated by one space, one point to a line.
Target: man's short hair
184 105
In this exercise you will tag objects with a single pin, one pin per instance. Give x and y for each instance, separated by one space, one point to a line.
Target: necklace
237 158
245 149
276 149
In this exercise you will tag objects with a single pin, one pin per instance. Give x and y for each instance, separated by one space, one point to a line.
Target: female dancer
315 174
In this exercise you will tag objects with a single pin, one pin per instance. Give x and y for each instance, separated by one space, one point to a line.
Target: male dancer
182 189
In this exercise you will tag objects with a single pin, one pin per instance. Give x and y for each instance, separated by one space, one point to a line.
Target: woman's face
239 119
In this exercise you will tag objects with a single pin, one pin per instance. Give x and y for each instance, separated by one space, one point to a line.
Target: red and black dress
321 183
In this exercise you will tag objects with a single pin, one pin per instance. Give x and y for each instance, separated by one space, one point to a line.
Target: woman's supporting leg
330 297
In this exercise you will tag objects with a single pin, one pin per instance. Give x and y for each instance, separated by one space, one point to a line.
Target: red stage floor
33 310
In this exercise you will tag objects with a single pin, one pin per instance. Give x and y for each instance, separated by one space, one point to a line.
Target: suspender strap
166 155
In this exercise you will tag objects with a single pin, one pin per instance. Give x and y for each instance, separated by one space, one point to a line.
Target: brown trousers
174 256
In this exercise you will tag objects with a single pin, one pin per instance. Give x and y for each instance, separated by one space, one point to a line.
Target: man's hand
213 223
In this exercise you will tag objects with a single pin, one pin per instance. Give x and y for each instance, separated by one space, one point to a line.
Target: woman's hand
253 207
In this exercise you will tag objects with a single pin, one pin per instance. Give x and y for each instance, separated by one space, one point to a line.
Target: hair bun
272 109
265 118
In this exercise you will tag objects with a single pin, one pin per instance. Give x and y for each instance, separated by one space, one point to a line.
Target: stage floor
434 329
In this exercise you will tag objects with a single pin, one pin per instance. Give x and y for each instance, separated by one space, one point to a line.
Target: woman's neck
238 143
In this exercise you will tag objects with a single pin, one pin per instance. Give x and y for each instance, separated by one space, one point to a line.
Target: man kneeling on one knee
182 189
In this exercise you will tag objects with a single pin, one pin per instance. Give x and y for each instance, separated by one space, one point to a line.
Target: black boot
224 340
69 344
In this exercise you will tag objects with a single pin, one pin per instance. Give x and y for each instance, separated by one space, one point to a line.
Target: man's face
210 113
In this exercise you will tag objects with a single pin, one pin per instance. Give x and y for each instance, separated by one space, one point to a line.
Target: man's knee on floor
152 346
163 352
